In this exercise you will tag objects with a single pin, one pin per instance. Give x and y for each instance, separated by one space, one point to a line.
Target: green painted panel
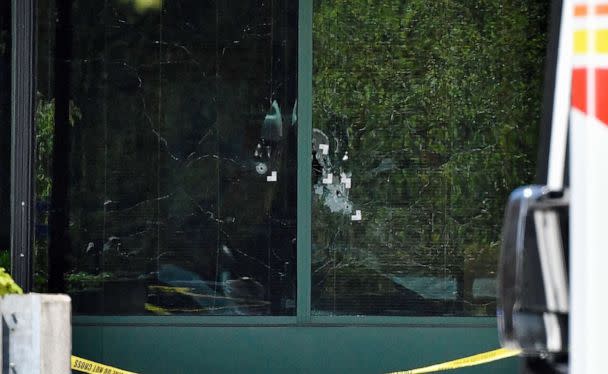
293 349
87 342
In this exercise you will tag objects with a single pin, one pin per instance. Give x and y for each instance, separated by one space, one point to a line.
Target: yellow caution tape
479 359
92 367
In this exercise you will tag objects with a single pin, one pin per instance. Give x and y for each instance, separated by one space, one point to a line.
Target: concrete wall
36 334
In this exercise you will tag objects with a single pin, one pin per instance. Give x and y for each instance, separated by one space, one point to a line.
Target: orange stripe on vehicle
580 10
601 10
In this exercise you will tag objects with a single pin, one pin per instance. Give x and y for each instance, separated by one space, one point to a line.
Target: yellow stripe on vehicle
92 367
601 41
581 42
478 359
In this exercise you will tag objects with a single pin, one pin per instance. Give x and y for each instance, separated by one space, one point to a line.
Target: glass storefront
217 180
167 153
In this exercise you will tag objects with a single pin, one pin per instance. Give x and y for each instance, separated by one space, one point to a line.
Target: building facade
223 186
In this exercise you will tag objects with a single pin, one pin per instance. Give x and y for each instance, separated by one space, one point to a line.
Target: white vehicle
553 273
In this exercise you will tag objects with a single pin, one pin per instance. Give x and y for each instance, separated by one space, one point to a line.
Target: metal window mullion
22 140
304 215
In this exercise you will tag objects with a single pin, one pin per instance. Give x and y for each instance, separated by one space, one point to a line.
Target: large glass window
168 155
424 118
167 163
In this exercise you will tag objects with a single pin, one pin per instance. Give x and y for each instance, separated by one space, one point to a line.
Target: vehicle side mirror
533 273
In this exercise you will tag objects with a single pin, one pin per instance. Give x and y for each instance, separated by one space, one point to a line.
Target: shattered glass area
179 194
425 117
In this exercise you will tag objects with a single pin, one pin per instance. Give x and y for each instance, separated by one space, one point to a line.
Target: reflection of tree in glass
436 104
45 127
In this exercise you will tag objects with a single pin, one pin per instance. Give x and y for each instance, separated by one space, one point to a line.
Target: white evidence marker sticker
324 148
346 182
272 177
329 179
357 216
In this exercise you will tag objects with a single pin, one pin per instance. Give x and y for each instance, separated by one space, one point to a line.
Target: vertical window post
59 240
304 160
23 93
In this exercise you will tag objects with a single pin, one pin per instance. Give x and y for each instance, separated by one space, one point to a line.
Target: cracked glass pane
425 117
167 155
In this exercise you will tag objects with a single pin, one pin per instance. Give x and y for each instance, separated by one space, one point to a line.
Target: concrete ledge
36 334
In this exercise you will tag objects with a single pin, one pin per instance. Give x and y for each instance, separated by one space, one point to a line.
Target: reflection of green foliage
44 146
449 91
5 259
170 289
83 281
7 284
45 128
